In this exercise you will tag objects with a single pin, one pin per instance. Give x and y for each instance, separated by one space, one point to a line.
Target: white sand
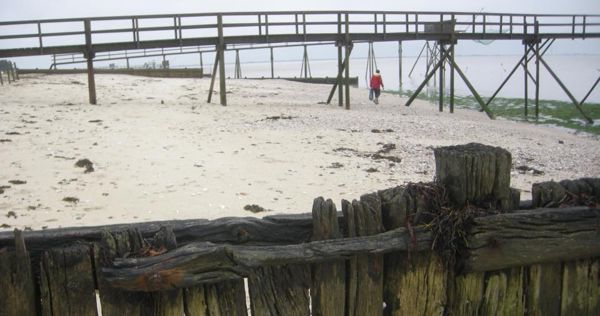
189 159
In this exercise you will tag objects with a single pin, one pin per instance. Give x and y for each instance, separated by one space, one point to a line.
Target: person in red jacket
376 86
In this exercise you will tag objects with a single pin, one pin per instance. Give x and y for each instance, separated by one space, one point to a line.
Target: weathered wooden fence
458 246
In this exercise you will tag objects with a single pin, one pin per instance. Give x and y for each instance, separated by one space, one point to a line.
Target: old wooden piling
89 55
475 174
221 53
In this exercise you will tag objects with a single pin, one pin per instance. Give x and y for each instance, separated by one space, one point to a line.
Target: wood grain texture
114 245
280 290
17 289
527 237
67 281
198 263
280 229
328 294
476 174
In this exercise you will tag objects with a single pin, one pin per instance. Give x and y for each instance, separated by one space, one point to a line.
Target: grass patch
551 112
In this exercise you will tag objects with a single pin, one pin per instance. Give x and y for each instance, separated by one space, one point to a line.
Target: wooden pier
221 31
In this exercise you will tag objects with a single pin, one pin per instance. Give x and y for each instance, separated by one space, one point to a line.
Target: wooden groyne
457 246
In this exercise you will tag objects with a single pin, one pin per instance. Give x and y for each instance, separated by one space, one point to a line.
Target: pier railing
56 36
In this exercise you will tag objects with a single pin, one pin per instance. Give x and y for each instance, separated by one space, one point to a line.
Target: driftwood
205 262
537 236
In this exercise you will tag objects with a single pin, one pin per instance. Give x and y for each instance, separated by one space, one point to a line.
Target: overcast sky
41 9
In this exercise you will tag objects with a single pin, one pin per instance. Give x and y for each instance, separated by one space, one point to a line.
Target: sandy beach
159 151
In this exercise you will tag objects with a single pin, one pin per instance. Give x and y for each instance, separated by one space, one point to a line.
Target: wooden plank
17 294
113 245
226 298
67 284
504 292
422 285
468 294
368 268
351 263
527 237
328 279
544 289
280 290
405 284
194 300
581 287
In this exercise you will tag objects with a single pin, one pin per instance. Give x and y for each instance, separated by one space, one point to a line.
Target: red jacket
376 82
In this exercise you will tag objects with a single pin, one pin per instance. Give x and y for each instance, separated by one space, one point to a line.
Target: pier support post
16 70
452 79
10 73
221 53
537 71
526 97
348 49
212 77
272 66
400 66
305 65
201 64
339 82
1 80
443 57
238 67
442 79
127 60
89 55
341 65
569 94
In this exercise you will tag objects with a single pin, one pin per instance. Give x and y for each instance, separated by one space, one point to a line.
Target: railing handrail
482 25
250 13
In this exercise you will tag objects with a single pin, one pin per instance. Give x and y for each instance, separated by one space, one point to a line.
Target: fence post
89 55
16 70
